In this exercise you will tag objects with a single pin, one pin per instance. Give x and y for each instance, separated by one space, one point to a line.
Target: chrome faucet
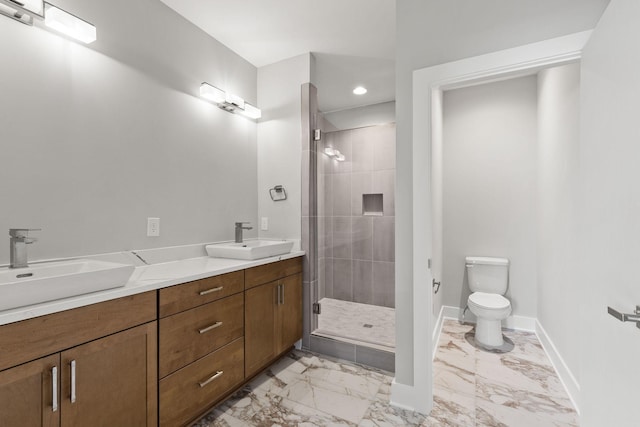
18 246
239 228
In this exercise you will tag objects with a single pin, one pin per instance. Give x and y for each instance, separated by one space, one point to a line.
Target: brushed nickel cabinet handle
282 301
213 377
209 328
212 290
54 388
73 381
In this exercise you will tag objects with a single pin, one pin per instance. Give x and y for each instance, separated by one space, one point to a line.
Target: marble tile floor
364 324
471 388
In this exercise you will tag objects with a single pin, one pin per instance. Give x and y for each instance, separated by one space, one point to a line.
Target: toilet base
489 333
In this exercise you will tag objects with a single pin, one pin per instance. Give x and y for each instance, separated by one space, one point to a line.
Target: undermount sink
56 280
250 249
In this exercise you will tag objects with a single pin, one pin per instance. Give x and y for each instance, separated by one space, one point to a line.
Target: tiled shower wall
356 259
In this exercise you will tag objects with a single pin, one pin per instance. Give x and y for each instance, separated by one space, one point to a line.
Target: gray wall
356 251
96 139
558 155
489 191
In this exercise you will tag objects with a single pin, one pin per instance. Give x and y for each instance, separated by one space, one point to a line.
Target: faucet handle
240 224
21 233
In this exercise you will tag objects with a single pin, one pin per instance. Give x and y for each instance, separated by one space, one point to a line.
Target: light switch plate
153 227
264 223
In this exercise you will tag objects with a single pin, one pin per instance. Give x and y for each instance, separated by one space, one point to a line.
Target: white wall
96 139
609 209
489 191
368 115
432 32
558 155
279 147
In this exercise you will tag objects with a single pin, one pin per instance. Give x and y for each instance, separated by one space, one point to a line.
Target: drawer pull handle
73 381
212 290
54 388
209 328
216 375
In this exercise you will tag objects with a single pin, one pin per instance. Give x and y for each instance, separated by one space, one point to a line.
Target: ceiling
353 41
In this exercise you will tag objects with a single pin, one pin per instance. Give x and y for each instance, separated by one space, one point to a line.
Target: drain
366 325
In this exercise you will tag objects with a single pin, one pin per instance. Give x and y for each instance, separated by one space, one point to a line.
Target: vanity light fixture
360 90
229 102
26 11
22 11
68 24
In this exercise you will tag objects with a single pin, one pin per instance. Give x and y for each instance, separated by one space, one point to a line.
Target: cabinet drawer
187 393
189 335
188 295
269 272
30 339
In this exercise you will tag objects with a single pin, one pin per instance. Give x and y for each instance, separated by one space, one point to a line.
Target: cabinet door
112 381
290 312
260 326
27 397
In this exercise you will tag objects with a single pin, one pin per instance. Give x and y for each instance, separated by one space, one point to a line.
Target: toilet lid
486 300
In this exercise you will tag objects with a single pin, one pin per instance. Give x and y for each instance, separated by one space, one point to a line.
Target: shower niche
372 205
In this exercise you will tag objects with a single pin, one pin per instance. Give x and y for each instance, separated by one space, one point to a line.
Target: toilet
488 281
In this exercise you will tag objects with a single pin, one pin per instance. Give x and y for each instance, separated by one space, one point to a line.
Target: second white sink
250 249
56 280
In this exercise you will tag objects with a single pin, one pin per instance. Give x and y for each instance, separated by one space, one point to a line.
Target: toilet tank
486 274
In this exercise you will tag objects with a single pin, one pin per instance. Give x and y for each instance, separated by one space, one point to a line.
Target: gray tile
384 239
361 183
341 195
383 284
328 278
305 175
328 236
384 148
342 279
362 150
380 359
342 142
334 348
306 313
362 238
384 182
322 238
325 192
342 237
363 282
322 293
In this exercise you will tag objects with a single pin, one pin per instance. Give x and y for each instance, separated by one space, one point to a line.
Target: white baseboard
437 330
410 398
564 373
521 323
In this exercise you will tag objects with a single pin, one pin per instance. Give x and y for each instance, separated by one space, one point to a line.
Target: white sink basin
56 280
250 249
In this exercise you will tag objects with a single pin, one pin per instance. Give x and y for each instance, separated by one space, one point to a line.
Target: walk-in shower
355 237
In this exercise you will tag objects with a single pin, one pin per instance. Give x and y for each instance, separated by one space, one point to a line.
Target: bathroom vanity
159 357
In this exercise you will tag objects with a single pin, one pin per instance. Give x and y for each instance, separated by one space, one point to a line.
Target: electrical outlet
264 223
153 227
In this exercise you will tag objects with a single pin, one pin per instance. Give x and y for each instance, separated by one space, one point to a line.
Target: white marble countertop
144 278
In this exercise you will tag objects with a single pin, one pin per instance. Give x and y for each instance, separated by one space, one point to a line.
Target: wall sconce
22 11
229 102
68 24
334 154
62 21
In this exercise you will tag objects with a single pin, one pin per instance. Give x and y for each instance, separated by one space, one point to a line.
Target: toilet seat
489 301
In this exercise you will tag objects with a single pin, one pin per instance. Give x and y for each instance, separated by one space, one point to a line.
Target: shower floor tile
371 325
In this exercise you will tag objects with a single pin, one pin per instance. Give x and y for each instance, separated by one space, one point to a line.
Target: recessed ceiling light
360 90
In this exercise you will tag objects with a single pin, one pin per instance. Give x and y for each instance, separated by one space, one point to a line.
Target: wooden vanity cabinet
201 345
273 312
101 367
27 394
